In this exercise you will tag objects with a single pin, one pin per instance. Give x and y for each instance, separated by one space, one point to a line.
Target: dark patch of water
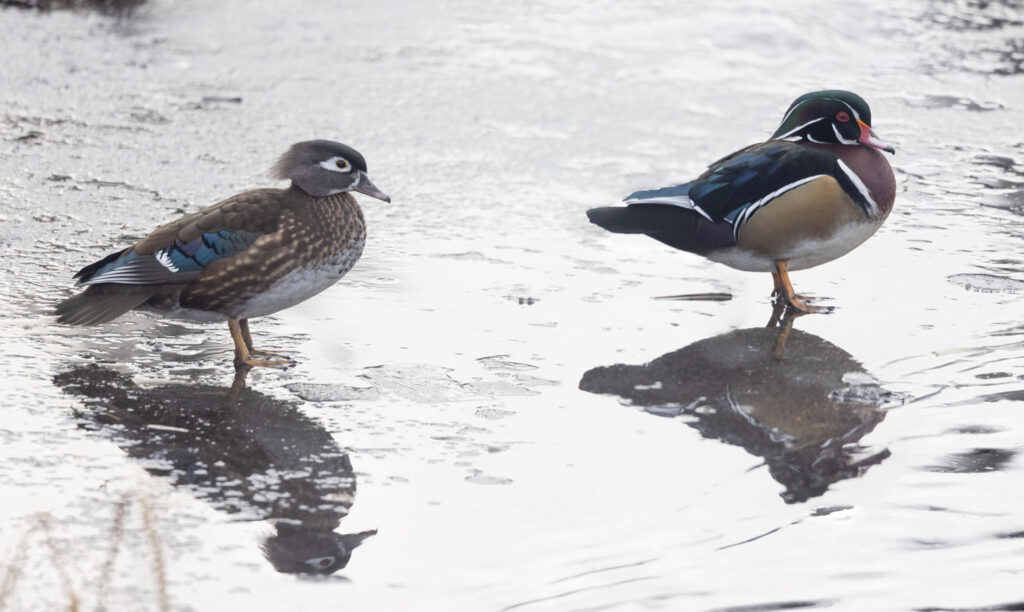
798 410
975 461
244 452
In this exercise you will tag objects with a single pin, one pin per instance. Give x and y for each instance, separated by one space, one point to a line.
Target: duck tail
636 218
675 226
102 303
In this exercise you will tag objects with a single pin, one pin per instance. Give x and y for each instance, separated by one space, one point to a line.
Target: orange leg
243 324
784 288
244 351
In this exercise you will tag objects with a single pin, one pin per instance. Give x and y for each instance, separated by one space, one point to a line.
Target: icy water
494 389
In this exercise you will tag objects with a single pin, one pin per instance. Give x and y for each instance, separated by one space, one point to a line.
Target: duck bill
868 137
365 185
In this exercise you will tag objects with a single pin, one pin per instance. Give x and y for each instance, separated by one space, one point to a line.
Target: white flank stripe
861 187
798 128
750 210
680 201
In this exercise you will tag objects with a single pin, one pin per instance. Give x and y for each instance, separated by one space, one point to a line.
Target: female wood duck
812 193
249 256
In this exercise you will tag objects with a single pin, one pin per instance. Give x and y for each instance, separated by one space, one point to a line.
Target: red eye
843 116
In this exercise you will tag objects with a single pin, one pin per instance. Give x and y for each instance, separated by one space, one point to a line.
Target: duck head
323 167
831 116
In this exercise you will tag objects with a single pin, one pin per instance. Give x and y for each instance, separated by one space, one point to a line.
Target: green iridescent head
831 116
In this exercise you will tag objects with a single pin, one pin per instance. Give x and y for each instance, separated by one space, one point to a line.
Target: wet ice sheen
446 368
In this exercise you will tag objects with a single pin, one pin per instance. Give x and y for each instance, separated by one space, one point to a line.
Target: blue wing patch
181 262
198 253
734 187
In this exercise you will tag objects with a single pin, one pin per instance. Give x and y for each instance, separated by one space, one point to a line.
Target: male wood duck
248 256
813 192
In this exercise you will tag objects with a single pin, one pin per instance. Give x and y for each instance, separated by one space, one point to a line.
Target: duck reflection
243 451
785 395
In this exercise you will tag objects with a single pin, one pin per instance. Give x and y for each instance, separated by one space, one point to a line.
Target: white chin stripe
861 187
840 138
359 177
680 201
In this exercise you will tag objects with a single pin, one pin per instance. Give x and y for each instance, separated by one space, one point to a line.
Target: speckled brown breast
316 242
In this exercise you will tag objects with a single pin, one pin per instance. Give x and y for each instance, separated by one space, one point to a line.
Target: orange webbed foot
248 357
784 291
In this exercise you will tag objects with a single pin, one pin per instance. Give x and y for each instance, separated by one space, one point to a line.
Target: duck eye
843 116
343 164
320 562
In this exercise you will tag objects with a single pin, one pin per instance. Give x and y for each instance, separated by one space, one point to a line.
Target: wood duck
812 193
248 256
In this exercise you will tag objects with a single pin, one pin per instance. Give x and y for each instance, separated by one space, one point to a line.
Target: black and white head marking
796 132
826 117
322 168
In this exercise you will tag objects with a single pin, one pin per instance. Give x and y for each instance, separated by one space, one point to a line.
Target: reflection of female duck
798 413
256 456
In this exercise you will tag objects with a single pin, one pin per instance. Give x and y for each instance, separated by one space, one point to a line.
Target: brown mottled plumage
254 211
248 256
310 233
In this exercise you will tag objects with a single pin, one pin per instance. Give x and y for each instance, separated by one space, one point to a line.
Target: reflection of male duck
800 413
254 455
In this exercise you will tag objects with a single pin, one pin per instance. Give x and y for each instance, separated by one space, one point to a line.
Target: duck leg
241 371
784 289
778 309
244 325
785 327
244 352
780 289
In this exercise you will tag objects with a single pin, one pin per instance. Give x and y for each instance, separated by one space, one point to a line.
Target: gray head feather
301 164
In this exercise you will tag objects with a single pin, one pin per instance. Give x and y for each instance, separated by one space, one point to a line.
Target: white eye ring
336 164
320 562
